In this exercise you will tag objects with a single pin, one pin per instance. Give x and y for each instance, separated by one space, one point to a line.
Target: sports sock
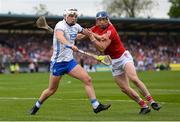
150 99
38 104
94 103
142 104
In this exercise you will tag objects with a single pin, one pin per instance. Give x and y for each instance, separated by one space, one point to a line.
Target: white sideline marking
167 90
58 99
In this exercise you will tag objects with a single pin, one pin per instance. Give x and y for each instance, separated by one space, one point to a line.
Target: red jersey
116 48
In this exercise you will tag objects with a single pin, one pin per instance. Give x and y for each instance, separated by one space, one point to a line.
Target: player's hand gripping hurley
105 59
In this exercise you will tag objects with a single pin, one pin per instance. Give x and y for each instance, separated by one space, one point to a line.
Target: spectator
31 67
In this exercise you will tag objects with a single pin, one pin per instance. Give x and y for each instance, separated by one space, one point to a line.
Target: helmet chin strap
70 24
104 26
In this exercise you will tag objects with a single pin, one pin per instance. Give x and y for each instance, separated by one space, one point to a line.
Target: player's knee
137 82
52 91
134 78
124 89
88 80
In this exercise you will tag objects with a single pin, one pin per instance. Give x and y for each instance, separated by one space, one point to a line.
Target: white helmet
69 11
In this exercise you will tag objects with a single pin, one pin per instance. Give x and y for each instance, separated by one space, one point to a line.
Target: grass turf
18 93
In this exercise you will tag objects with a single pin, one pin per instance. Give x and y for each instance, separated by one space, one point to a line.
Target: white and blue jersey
60 52
62 60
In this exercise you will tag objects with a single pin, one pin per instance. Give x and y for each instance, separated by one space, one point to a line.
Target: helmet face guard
102 15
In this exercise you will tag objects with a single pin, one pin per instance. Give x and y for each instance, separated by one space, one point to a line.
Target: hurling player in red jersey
106 39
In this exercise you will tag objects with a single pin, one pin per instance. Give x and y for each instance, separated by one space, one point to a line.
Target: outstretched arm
83 35
98 37
80 36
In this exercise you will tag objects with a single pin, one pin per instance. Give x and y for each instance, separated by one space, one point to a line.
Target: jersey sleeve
79 28
59 26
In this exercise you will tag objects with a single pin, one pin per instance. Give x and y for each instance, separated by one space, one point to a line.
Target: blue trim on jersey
58 50
61 68
72 36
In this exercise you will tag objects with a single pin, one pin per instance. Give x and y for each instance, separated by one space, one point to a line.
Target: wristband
68 46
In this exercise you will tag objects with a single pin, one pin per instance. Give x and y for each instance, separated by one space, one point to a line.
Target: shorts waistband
121 55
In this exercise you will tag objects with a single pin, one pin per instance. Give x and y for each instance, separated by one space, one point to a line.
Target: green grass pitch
18 93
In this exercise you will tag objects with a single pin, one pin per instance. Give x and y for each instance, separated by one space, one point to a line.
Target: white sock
38 104
94 103
152 102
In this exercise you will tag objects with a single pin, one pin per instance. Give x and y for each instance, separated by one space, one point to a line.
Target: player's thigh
122 80
79 73
54 81
130 70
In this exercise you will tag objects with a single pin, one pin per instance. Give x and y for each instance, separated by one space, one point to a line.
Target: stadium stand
154 43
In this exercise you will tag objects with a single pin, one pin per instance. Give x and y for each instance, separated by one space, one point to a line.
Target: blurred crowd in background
18 51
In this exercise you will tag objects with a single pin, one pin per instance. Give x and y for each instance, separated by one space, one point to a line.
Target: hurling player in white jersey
63 62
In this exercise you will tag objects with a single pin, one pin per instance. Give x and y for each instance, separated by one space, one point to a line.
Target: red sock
150 99
143 104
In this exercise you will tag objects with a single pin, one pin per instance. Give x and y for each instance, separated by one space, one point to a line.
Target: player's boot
144 110
101 107
34 110
155 106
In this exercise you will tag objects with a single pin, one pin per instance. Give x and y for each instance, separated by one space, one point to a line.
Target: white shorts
119 63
